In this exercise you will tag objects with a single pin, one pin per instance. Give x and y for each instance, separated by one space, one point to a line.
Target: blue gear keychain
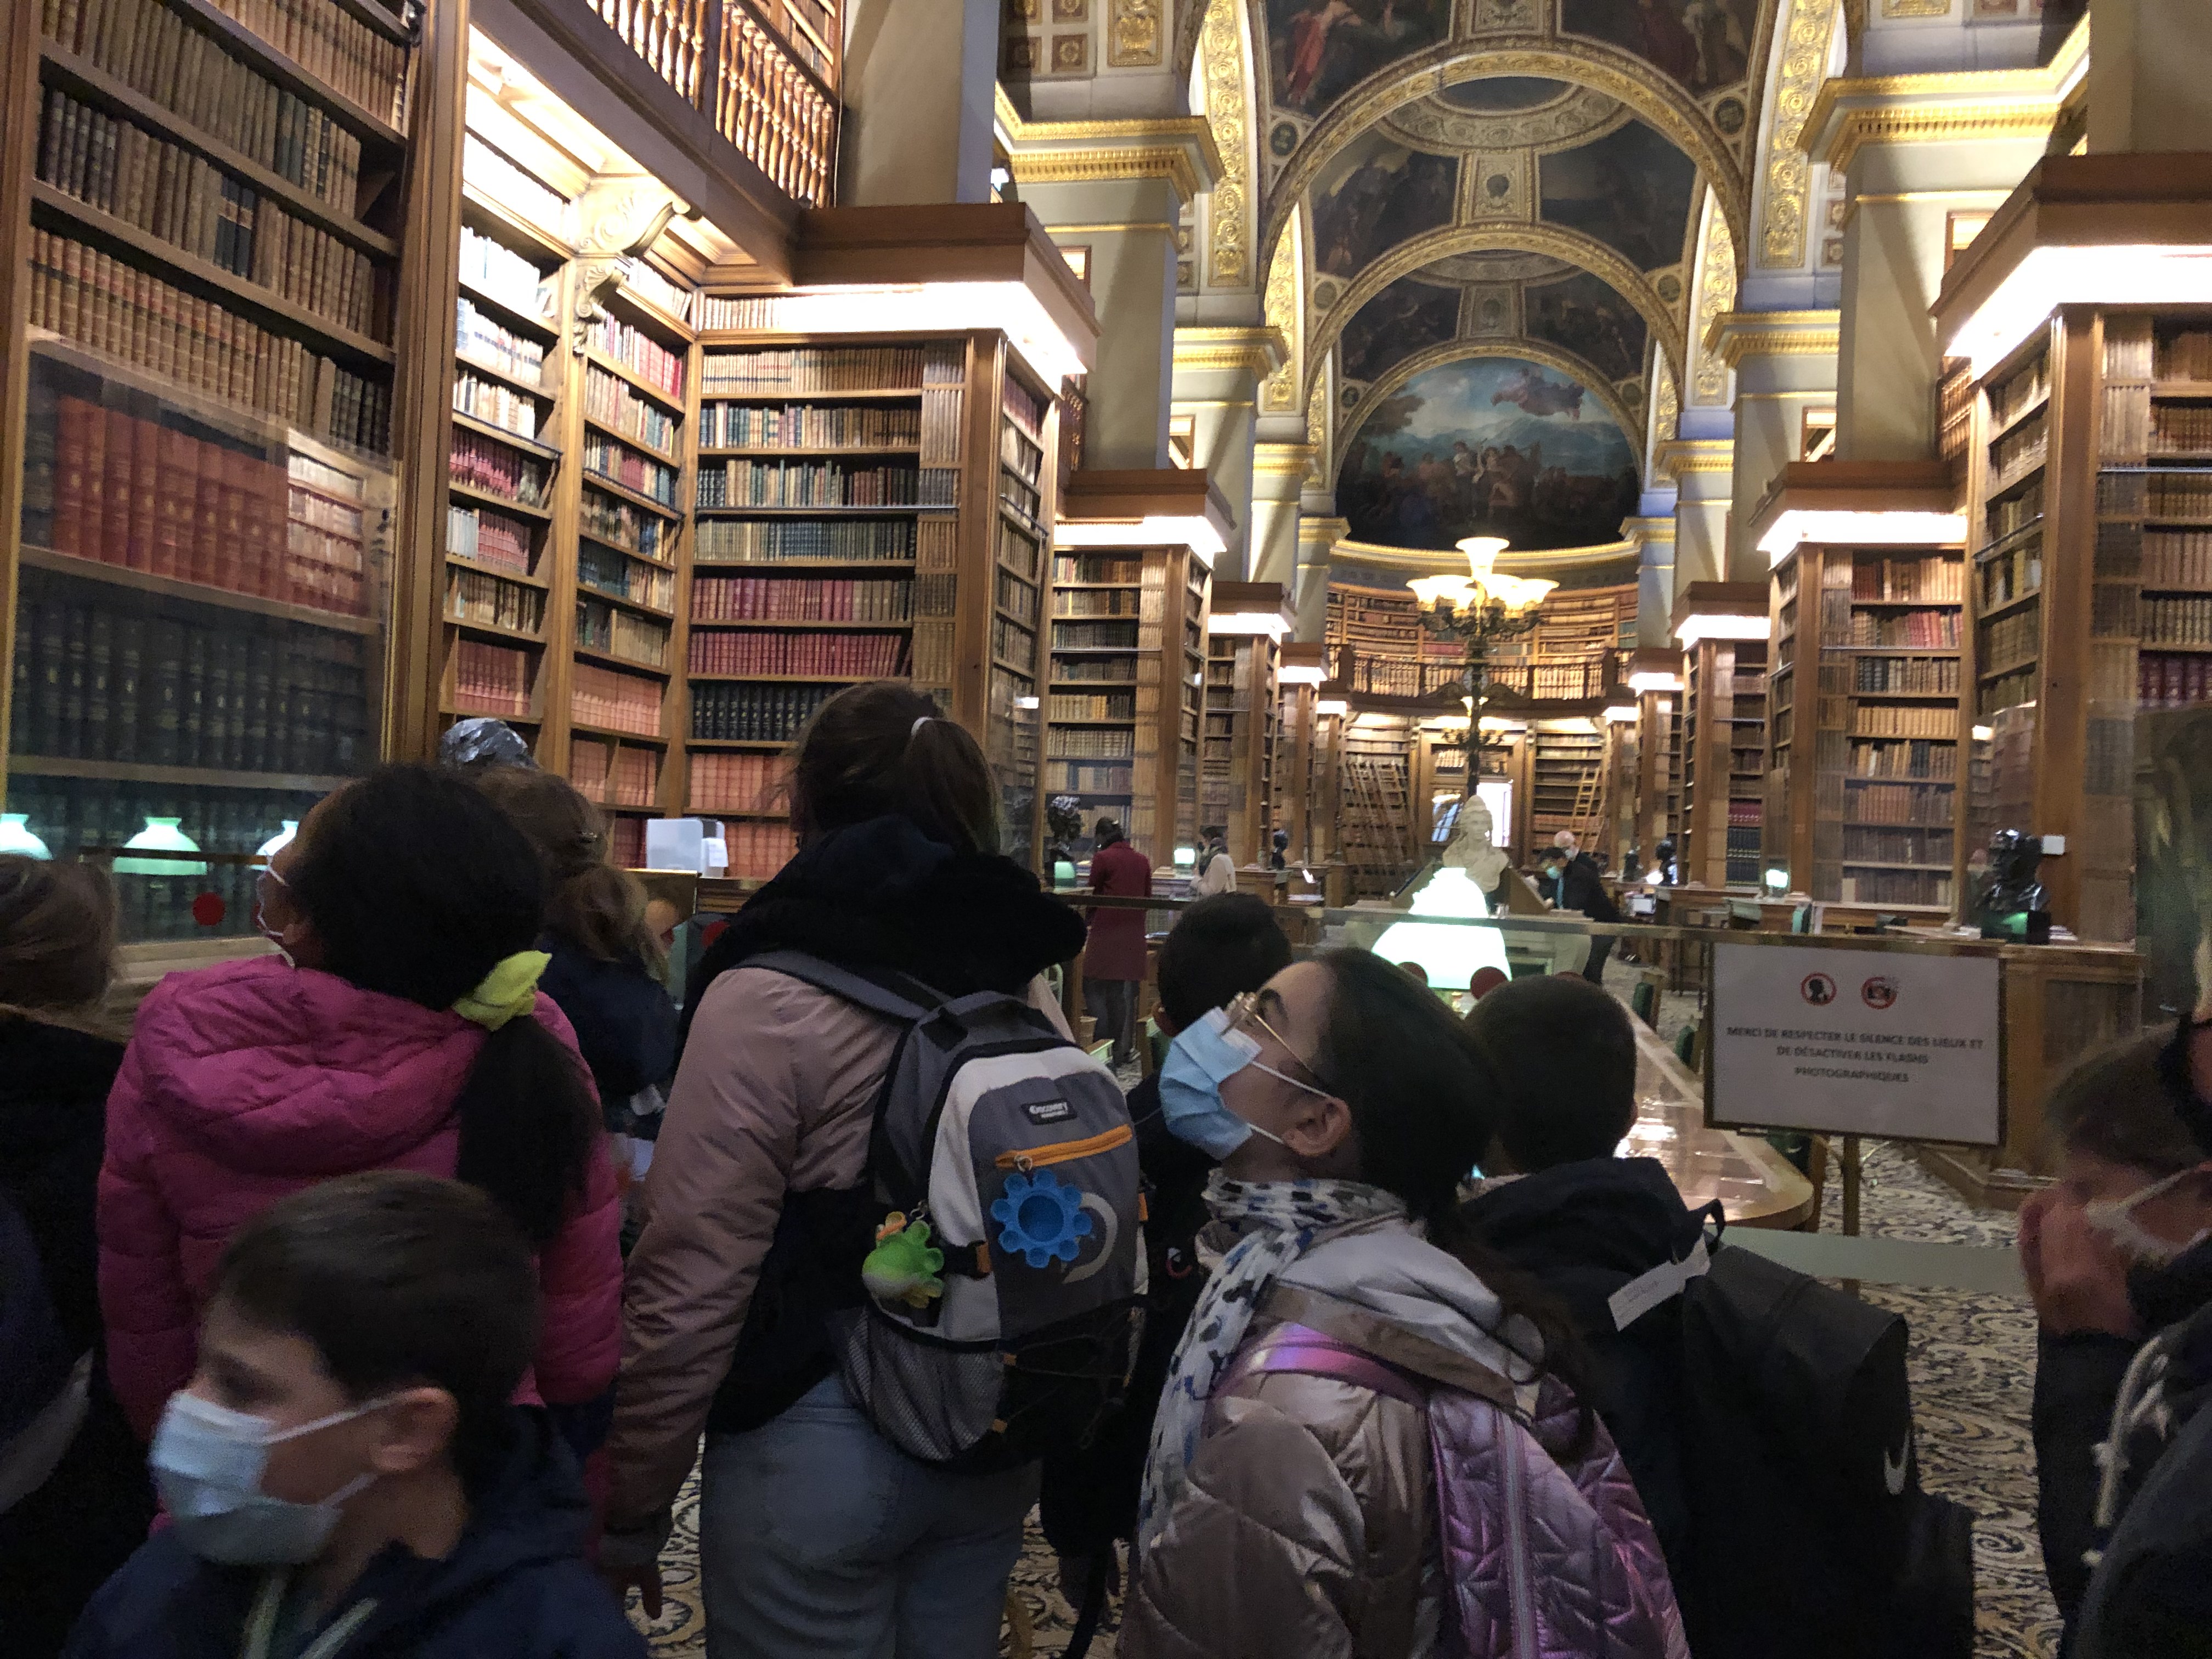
1042 1218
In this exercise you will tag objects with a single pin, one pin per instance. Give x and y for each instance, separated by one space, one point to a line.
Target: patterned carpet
1972 1368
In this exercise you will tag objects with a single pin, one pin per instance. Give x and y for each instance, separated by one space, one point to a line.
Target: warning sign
1855 1041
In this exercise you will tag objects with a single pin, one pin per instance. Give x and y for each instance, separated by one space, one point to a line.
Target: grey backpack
1008 1329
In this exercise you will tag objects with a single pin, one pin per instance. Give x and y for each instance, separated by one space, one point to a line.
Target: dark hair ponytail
1424 1103
884 748
417 886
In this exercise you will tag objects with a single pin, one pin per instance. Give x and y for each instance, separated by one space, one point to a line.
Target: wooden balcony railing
723 59
1378 674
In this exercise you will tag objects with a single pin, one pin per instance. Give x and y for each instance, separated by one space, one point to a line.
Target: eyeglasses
1243 1009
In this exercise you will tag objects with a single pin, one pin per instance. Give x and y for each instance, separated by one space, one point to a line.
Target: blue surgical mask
1204 1056
208 1461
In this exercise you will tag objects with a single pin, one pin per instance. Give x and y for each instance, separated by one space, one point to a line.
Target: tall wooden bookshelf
1866 749
2092 568
1861 804
1123 719
866 507
1723 737
1242 710
201 525
1566 778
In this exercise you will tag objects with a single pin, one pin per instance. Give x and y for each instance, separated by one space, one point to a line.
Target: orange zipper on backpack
1066 1151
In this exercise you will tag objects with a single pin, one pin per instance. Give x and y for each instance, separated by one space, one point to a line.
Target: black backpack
1809 1533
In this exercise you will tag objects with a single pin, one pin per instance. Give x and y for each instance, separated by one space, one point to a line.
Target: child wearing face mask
343 1474
2115 1251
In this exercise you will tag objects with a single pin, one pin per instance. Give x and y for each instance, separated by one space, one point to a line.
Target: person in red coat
1114 959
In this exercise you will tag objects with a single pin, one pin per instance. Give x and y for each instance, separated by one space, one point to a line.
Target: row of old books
786 598
1895 887
1075 706
87 295
849 656
619 464
619 702
1936 630
607 571
1873 844
806 484
153 49
1935 676
638 352
2173 681
609 402
237 693
1898 803
488 536
755 714
1097 602
101 482
601 627
495 403
1917 580
1891 720
734 541
165 190
820 368
758 849
613 776
495 268
491 679
807 426
473 596
487 464
734 782
482 339
620 524
1084 743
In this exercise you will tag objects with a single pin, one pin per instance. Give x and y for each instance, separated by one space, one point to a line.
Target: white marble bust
1470 849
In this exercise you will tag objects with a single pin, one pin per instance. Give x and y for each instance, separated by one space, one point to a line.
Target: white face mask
208 1461
2115 1219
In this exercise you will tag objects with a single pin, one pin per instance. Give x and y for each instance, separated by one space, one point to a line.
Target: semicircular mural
1488 447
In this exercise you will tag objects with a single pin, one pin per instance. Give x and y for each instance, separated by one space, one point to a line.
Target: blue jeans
818 1538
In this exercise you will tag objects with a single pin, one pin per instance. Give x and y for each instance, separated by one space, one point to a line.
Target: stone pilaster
1784 363
1218 372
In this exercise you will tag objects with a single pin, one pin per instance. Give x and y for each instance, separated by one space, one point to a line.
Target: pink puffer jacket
250 1080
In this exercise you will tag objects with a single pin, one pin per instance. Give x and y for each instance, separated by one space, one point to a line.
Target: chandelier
1478 609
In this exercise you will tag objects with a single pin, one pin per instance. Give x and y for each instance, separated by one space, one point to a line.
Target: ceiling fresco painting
1496 203
1584 316
1323 48
1705 45
1631 190
1490 447
1380 194
1407 317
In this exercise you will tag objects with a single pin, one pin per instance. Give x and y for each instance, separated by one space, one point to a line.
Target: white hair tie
917 725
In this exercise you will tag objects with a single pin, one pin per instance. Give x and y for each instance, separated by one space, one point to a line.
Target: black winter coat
1584 1230
61 1542
624 1019
516 1588
2150 1595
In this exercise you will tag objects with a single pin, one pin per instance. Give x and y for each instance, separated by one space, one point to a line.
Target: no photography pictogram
1879 992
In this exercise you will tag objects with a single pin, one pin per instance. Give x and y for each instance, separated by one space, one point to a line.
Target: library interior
1765 574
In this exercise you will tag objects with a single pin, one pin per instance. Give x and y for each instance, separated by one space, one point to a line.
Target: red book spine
95 490
145 494
122 476
207 514
173 512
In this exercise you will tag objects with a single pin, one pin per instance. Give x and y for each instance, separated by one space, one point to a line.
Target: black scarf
881 893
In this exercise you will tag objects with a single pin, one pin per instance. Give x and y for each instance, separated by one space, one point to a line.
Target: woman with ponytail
402 1028
1369 1443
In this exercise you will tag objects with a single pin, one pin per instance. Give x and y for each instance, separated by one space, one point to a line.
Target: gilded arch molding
1558 243
1661 103
1625 416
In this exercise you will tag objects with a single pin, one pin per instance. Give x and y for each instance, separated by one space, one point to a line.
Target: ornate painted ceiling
1484 219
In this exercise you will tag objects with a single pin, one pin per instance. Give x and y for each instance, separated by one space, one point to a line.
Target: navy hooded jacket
516 1586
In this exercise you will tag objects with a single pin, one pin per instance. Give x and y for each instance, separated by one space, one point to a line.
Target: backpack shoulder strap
1303 1351
883 991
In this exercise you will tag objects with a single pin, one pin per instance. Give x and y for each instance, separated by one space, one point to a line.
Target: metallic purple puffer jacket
1342 1507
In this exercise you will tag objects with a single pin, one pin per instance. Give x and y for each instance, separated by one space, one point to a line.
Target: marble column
1218 372
1110 193
1704 470
1318 534
1655 577
1921 154
1784 363
1278 473
919 83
